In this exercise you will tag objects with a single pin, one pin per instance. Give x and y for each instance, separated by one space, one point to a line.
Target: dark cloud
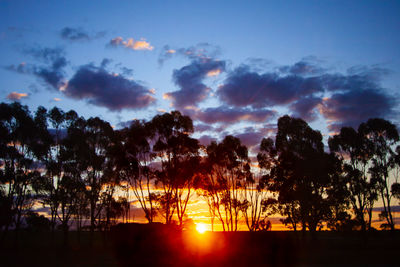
305 108
105 62
306 89
190 81
251 136
101 88
356 97
200 51
352 107
244 87
233 115
79 34
250 139
205 140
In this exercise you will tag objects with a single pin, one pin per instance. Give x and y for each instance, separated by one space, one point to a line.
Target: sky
234 66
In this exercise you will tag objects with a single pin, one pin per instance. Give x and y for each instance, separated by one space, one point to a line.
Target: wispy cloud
202 51
51 69
79 34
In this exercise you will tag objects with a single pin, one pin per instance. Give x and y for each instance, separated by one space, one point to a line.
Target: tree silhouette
134 159
86 156
20 139
178 154
228 168
382 135
300 172
353 150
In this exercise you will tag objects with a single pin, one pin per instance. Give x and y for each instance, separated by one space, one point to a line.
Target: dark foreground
138 245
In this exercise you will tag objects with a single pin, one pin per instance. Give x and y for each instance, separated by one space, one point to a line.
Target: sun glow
201 228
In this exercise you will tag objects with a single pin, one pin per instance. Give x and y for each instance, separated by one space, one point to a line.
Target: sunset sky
234 66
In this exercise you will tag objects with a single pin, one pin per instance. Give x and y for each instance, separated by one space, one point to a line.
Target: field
160 246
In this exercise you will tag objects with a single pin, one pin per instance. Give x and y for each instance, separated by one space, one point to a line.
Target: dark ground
138 245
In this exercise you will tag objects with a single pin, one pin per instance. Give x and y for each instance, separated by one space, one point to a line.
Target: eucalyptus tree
300 172
85 156
20 147
228 169
178 155
287 206
254 195
352 148
133 162
48 187
382 136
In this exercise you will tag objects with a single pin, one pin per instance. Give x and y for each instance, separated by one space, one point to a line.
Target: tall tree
299 172
353 150
382 136
86 155
178 154
134 159
47 187
228 170
20 143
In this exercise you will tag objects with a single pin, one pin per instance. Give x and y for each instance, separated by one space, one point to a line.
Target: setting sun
201 228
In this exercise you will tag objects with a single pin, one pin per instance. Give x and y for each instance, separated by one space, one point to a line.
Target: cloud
130 43
305 108
16 96
350 108
228 115
244 87
251 136
202 127
190 81
205 140
356 97
202 51
101 88
306 88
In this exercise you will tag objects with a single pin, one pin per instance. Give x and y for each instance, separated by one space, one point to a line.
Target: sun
201 228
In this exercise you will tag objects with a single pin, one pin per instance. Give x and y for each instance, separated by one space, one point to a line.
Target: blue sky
233 66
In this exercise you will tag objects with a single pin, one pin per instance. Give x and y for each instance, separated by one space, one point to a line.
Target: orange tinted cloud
16 96
213 72
130 43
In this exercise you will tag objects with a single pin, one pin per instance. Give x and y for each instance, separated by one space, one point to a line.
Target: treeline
83 171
